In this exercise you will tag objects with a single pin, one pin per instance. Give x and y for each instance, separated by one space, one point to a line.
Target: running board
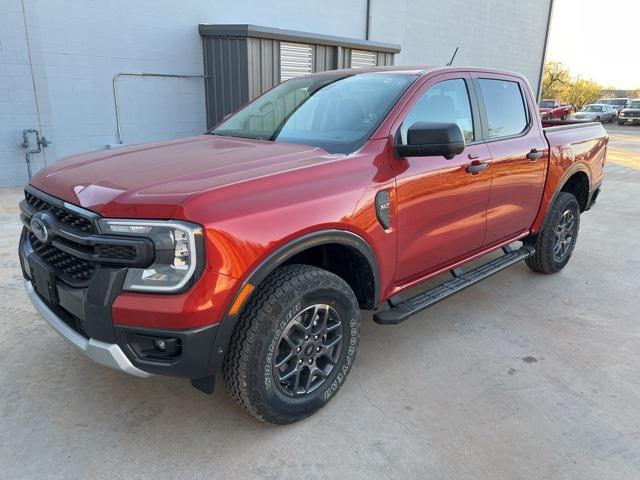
402 310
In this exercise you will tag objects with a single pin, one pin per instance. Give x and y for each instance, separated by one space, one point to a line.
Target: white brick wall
17 104
77 47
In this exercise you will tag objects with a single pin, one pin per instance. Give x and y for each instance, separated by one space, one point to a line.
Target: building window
295 60
362 59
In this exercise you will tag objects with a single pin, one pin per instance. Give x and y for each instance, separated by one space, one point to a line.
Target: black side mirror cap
432 139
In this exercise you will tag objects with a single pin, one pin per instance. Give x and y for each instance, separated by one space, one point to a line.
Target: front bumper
107 354
628 119
76 293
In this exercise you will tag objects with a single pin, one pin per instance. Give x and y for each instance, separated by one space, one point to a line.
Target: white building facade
58 59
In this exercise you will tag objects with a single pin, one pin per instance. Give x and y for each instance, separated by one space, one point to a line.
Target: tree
581 92
559 84
556 77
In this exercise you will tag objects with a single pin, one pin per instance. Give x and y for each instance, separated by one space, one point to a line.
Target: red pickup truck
552 109
250 250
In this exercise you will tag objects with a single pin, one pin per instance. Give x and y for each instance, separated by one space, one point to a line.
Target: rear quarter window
505 107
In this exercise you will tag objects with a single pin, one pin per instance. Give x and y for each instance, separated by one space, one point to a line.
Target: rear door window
505 107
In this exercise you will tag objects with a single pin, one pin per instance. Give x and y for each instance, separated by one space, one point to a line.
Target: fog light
149 347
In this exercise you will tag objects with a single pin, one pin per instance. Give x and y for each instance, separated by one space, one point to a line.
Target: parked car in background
596 112
617 103
553 109
631 113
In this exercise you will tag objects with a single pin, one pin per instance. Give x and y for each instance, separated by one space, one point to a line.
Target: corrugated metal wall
264 65
226 73
237 69
325 57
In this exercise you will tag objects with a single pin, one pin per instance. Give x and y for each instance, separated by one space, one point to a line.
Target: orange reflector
242 296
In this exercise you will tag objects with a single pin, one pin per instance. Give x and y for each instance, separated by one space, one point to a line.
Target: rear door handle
534 154
476 167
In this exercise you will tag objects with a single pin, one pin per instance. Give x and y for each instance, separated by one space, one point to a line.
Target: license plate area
43 279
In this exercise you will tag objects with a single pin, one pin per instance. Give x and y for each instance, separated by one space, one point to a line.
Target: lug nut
318 349
310 361
300 362
298 349
315 337
306 337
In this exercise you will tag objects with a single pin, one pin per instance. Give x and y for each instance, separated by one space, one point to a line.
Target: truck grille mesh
65 265
62 214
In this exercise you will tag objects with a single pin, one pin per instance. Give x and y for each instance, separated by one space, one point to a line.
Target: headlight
176 254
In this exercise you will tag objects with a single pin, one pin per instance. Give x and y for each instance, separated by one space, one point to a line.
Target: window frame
483 111
430 82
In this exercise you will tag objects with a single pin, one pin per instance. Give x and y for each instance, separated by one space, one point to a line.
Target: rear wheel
554 244
294 345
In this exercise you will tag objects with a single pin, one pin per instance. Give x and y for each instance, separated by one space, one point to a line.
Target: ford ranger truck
250 251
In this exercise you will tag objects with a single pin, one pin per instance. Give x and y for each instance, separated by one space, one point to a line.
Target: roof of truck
413 70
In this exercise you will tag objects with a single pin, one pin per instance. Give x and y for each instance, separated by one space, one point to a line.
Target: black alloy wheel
308 350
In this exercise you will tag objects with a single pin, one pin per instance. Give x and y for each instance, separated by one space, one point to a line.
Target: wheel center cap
309 350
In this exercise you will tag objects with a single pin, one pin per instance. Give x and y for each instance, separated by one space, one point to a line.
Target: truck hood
163 175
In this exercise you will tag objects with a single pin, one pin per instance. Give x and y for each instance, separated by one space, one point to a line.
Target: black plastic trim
403 310
195 350
575 168
277 258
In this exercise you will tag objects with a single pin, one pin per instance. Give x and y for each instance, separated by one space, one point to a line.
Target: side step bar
402 310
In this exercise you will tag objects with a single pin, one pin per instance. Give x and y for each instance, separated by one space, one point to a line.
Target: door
518 151
441 206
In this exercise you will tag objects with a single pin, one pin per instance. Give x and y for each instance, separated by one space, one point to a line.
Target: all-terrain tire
544 260
249 368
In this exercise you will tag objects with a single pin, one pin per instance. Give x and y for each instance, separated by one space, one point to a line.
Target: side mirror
431 139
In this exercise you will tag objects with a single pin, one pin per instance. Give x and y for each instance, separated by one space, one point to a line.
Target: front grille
66 266
65 216
116 252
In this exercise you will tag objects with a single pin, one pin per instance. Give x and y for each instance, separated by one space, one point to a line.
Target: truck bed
574 148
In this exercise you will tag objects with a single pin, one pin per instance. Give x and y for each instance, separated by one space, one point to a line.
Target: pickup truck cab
552 109
250 250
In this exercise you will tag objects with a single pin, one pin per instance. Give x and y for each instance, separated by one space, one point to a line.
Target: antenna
453 56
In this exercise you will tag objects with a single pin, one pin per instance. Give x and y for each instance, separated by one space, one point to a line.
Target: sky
598 40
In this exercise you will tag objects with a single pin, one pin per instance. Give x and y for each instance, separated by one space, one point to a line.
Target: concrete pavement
523 376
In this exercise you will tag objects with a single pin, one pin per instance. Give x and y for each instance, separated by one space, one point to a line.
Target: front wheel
294 345
554 244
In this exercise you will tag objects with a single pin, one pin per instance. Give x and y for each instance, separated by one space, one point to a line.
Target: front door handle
534 154
476 167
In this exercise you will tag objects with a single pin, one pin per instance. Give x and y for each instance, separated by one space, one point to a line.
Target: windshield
335 113
592 108
546 103
634 104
